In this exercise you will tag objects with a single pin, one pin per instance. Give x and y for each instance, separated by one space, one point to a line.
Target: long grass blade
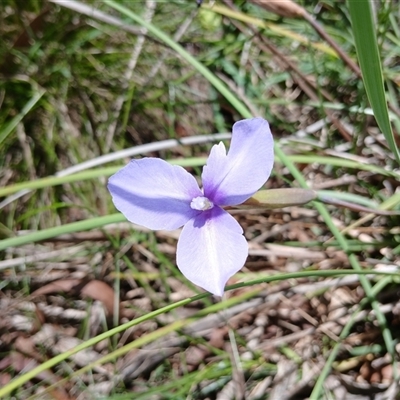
370 63
8 128
73 227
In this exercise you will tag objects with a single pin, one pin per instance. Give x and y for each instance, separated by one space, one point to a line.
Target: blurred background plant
81 81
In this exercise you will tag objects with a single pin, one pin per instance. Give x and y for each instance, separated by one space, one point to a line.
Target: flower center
201 203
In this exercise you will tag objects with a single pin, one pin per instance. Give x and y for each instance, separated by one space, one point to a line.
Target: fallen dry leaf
98 290
95 289
62 285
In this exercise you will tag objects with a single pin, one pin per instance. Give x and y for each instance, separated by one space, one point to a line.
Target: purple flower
157 195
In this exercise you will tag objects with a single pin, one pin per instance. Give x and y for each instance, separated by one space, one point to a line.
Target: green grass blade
58 180
73 227
20 380
319 385
7 129
370 63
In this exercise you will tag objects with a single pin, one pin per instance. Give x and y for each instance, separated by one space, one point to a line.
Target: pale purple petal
211 249
233 178
155 194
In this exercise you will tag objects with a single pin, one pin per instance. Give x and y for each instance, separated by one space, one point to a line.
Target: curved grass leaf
73 227
370 63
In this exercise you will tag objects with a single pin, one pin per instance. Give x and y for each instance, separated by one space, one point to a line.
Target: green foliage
76 88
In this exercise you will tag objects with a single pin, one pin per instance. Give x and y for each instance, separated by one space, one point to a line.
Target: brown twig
288 8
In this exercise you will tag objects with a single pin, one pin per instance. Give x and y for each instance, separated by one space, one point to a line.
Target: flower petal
231 179
154 193
211 249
